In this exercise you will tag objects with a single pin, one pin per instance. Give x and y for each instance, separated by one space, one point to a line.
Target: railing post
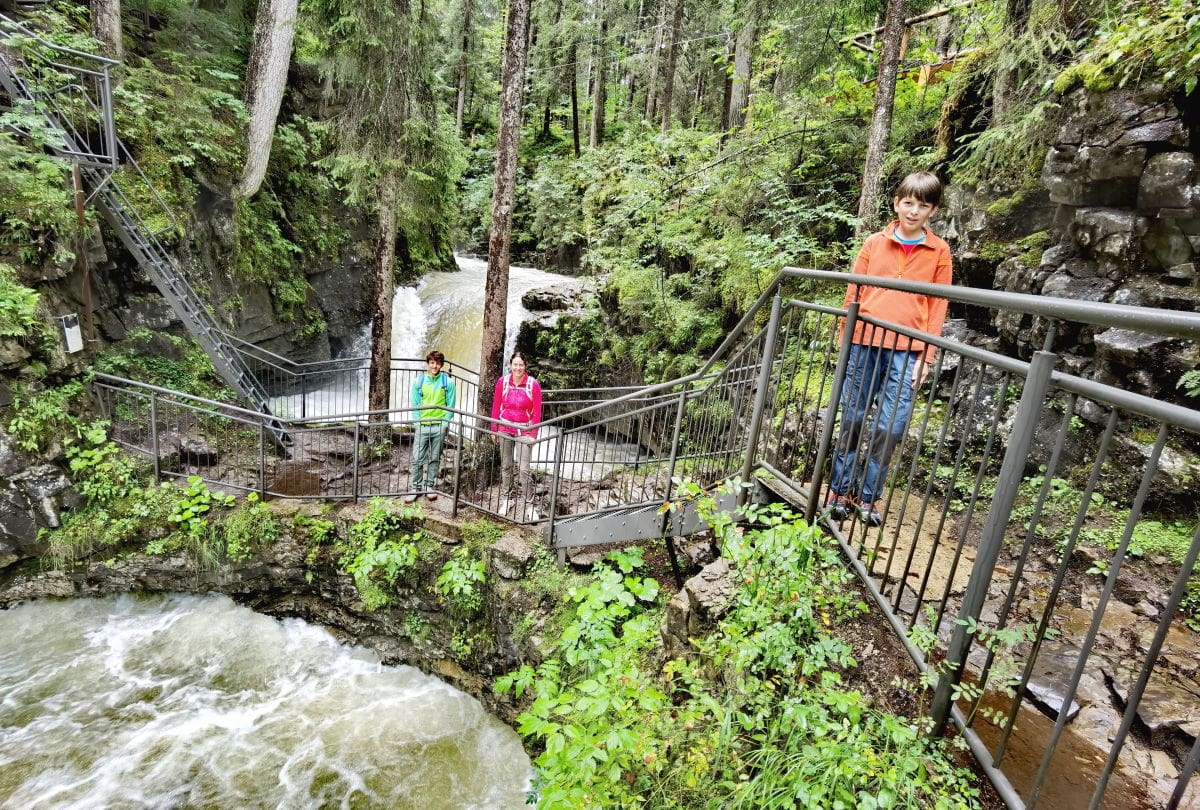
462 448
153 436
827 424
303 397
675 439
262 460
767 359
991 541
356 455
558 451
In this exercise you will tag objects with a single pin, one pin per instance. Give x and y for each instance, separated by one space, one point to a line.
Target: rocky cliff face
1117 220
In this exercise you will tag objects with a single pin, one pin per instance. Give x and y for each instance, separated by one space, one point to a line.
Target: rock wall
1117 219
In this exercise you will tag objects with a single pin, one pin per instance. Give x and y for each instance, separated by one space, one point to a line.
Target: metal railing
1010 482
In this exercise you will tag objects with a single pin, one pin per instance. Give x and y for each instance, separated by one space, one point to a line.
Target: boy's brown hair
923 186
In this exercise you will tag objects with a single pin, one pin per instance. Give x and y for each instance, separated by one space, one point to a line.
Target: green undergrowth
168 361
756 717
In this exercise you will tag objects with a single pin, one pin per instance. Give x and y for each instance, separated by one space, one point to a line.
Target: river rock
555 297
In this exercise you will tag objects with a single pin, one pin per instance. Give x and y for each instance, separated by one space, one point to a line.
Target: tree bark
574 85
672 59
383 291
1005 84
880 131
495 296
600 87
464 52
655 58
266 79
739 96
106 28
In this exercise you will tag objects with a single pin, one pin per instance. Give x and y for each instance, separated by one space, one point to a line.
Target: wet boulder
1169 181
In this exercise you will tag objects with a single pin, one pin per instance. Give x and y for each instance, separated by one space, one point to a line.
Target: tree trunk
739 96
106 27
266 79
495 296
672 58
600 87
464 53
655 58
574 85
880 131
1005 84
384 289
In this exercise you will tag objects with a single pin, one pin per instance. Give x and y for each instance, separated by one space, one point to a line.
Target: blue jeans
427 455
879 385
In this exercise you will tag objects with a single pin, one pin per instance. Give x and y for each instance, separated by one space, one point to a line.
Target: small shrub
252 526
460 584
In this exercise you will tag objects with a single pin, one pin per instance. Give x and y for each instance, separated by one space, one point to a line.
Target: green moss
993 251
1033 246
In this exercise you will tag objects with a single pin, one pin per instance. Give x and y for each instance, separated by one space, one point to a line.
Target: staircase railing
71 90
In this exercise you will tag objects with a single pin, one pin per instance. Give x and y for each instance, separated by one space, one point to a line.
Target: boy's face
913 214
434 366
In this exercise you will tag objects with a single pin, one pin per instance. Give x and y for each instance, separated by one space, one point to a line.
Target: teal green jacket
428 393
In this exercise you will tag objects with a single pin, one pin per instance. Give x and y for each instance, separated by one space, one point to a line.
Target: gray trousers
517 454
427 455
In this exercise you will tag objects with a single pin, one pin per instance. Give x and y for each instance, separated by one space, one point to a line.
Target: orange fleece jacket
882 255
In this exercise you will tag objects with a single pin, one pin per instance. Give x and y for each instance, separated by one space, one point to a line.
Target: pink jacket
517 403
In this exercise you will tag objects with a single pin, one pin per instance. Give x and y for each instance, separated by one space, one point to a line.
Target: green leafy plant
754 720
460 584
39 420
377 551
1159 40
252 525
197 501
102 471
18 306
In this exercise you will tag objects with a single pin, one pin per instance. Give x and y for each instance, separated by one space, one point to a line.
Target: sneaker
410 498
869 514
432 496
838 506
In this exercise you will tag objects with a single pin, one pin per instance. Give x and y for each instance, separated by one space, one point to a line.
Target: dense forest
678 152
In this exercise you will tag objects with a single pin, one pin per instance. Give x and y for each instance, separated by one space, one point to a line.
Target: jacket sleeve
942 274
861 267
496 395
414 394
535 410
451 397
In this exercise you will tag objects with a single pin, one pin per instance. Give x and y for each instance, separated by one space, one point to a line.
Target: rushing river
187 701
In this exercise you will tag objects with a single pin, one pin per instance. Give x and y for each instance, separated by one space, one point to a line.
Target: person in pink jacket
517 399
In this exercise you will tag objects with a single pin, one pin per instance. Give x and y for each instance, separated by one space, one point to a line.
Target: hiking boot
412 498
432 496
838 506
869 514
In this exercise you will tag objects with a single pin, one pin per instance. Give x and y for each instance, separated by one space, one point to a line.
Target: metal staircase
79 109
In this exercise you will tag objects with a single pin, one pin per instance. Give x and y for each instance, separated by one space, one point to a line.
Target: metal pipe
760 395
1152 320
827 425
992 538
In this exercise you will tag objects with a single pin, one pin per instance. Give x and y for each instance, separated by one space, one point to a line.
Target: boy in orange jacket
884 368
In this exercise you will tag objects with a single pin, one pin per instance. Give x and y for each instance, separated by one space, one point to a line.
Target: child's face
913 214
